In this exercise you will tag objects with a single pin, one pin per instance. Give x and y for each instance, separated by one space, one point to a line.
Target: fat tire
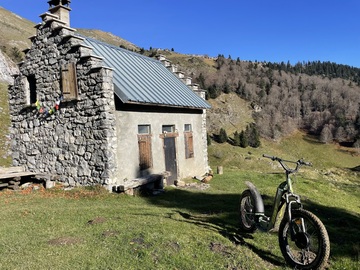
247 212
319 243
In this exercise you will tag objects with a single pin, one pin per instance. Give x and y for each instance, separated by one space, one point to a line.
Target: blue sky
262 30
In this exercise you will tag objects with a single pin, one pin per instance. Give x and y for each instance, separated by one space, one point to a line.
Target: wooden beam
12 169
16 174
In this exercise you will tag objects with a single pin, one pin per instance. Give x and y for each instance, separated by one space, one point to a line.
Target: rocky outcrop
7 68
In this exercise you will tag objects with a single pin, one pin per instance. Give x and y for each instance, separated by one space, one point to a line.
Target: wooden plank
4 185
17 174
137 182
12 169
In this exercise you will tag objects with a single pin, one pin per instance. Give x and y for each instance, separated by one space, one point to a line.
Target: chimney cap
59 2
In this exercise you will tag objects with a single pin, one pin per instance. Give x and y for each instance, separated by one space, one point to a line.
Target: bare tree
326 134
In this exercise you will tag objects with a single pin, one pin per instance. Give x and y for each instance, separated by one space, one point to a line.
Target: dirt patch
97 220
65 241
174 246
196 186
138 241
110 233
219 248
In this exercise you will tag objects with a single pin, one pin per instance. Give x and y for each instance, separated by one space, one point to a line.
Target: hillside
320 98
108 38
14 31
194 228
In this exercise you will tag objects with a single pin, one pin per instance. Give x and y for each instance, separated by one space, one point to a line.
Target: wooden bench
11 176
155 180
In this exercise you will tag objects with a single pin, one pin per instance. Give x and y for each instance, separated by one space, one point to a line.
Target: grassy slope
230 112
5 160
108 38
183 228
14 30
330 188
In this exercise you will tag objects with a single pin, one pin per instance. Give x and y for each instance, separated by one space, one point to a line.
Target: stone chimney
61 9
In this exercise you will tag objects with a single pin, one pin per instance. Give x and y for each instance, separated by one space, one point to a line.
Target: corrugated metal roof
144 80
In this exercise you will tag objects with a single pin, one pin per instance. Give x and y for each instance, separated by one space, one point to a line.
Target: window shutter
189 145
69 81
145 159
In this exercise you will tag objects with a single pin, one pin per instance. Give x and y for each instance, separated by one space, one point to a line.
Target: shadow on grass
214 212
218 212
312 139
343 228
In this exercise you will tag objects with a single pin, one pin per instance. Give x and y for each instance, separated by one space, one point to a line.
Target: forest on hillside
321 98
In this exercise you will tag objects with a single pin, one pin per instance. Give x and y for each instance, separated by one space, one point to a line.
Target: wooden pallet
129 186
11 177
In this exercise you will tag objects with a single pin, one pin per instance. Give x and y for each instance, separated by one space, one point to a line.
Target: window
187 128
168 128
189 142
69 81
144 129
30 89
145 152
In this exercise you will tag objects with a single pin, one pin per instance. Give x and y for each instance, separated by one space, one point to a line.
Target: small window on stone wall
30 89
69 81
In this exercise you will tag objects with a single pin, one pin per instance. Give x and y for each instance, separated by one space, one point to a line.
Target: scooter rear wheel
247 212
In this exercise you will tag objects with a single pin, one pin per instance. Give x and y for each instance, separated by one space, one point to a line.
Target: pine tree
201 81
236 138
226 87
213 91
243 140
252 135
255 137
208 138
222 136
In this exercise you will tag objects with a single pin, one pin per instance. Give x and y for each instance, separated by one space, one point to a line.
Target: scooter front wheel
247 212
304 241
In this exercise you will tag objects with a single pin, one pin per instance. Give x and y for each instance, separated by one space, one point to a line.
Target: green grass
5 159
47 230
88 228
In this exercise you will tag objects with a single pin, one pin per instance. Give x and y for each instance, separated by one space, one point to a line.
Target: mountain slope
286 98
14 31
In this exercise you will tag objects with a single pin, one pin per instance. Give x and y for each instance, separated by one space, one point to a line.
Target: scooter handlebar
268 156
300 161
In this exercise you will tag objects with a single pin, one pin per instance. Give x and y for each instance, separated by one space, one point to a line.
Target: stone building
93 113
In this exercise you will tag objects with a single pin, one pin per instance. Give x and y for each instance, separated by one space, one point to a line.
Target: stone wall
76 140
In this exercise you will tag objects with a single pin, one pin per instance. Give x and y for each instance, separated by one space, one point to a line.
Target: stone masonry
75 138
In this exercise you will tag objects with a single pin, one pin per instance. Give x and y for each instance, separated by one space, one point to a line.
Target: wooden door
145 155
170 159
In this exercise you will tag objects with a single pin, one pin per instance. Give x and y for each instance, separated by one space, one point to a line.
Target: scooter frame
284 202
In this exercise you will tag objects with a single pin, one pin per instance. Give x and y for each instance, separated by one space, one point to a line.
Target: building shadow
219 213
